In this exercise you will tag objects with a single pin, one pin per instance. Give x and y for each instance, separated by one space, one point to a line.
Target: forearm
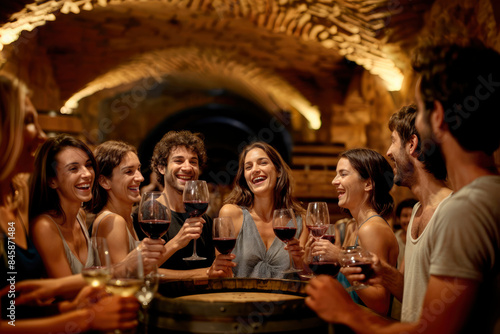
376 297
171 247
76 321
200 273
393 280
365 321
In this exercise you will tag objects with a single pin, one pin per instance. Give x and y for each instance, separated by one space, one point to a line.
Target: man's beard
432 157
172 182
404 171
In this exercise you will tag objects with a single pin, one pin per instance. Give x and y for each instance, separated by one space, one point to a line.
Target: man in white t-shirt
458 99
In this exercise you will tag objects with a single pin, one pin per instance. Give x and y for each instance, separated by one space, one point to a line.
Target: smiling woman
63 179
114 198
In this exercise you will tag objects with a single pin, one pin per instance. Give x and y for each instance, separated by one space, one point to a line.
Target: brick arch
364 32
206 69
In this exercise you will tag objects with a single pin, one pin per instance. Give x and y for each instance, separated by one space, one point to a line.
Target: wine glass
285 227
146 294
355 256
321 266
330 233
154 214
317 219
100 272
126 278
195 198
223 235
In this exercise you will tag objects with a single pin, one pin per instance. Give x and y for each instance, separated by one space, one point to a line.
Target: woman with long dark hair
263 184
63 180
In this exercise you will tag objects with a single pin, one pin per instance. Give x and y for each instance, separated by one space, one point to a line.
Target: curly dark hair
465 80
108 155
170 141
372 165
42 197
241 194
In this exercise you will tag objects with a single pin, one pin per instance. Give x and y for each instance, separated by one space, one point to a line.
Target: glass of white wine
100 272
127 278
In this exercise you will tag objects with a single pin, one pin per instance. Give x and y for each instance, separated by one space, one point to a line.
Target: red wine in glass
366 269
154 214
285 227
329 237
154 228
195 197
195 208
224 245
284 233
317 231
325 268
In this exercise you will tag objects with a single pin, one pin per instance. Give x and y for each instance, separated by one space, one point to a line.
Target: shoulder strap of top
104 214
367 219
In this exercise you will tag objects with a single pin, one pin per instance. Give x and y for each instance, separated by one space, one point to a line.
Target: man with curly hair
458 99
179 157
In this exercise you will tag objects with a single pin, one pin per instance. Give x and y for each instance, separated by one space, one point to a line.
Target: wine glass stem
292 265
194 248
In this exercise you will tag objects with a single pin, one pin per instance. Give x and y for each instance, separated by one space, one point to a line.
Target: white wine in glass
100 272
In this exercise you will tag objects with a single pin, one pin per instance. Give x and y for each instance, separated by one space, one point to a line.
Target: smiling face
183 165
403 167
350 187
125 180
260 172
74 175
33 137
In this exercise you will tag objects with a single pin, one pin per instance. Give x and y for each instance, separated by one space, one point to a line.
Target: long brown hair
241 194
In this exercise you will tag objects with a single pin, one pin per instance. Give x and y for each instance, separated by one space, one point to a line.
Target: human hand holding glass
357 257
285 228
195 198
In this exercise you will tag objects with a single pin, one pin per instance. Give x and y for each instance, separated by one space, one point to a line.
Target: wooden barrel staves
233 305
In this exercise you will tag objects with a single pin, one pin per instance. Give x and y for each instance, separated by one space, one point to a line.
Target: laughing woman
115 196
363 181
63 179
262 184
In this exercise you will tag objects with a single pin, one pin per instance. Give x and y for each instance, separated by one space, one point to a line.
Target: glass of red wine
154 214
285 228
223 235
355 256
317 220
195 198
322 266
330 233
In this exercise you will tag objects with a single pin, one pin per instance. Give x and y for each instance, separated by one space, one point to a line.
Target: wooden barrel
233 305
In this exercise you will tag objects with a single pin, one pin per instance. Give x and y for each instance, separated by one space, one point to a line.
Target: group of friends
442 150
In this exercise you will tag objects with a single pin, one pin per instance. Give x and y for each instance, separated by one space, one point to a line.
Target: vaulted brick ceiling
95 44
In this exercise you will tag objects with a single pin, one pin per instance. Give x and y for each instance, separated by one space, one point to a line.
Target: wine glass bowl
223 235
195 197
100 272
285 228
154 214
317 219
355 256
330 233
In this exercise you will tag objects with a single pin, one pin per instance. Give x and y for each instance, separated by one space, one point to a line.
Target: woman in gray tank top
114 197
262 184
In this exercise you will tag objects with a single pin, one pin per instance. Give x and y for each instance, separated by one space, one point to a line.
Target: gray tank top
74 263
252 259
